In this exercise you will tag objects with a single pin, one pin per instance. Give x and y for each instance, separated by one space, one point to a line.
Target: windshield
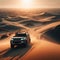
21 35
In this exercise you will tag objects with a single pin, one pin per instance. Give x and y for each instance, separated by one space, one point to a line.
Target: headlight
23 38
11 39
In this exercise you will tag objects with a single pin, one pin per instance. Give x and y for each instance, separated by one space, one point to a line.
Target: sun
26 4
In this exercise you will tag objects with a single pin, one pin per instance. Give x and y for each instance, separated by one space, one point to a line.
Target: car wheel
12 46
25 45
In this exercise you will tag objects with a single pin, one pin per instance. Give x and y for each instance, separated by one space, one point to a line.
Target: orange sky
35 3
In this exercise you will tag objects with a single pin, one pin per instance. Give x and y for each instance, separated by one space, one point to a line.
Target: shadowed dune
43 15
16 19
9 28
46 15
31 23
57 18
53 34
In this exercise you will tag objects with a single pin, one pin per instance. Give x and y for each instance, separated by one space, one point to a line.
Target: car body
20 39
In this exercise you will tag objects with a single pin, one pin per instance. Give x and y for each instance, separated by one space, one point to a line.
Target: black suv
22 39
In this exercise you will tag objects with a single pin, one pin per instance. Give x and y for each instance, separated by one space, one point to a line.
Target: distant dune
31 23
16 19
43 14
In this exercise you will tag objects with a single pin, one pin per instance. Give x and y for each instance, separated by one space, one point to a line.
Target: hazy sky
35 3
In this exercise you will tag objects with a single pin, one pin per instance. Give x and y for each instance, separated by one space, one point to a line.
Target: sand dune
15 19
42 16
31 23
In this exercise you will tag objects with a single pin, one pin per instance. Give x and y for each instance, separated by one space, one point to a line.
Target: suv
22 39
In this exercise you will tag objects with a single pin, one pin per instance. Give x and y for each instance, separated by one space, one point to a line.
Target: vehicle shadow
18 51
3 51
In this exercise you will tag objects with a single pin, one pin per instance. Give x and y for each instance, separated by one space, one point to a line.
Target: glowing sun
26 4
